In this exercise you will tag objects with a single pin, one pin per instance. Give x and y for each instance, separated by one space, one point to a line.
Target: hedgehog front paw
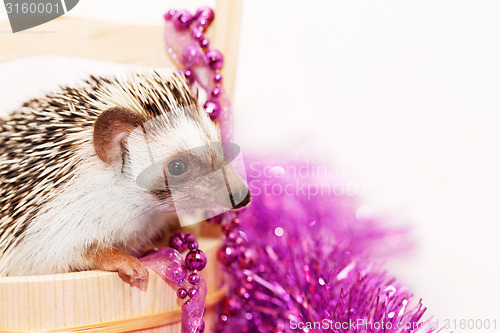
129 268
133 272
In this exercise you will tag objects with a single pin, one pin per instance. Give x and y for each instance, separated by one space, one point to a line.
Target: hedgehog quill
69 199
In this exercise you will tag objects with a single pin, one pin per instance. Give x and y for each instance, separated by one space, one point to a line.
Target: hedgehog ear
111 129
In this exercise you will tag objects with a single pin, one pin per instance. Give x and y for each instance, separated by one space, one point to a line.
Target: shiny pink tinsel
307 260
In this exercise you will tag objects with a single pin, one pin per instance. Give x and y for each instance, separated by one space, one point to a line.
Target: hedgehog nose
240 199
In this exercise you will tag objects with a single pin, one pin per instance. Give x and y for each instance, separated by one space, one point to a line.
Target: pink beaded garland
195 54
195 260
192 56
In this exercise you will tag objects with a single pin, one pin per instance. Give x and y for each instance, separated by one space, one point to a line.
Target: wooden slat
225 36
78 37
130 44
88 301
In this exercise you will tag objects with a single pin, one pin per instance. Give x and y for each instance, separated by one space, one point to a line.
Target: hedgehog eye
177 167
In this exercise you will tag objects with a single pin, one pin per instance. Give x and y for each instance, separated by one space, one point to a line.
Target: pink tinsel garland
307 259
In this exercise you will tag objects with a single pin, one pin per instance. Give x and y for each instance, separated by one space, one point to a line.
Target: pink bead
206 13
178 241
227 254
235 222
204 43
168 15
192 292
248 258
196 260
231 236
215 59
203 22
243 293
182 293
216 92
193 245
213 109
227 229
189 76
217 77
194 278
190 238
182 19
204 16
239 241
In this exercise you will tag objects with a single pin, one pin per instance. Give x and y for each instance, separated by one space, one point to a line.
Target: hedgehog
69 162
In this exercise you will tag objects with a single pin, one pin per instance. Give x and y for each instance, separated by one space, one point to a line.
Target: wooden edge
141 45
139 323
207 244
88 38
45 302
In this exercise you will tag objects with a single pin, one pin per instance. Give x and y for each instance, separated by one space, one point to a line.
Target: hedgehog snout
240 198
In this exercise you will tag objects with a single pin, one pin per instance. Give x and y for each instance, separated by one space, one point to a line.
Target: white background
405 95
